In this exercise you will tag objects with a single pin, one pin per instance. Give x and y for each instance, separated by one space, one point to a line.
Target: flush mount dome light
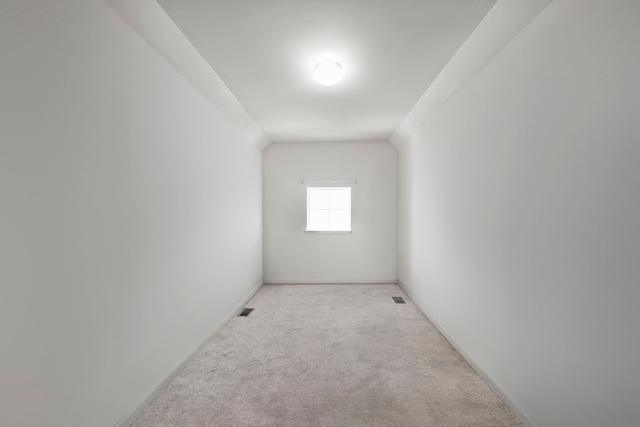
327 73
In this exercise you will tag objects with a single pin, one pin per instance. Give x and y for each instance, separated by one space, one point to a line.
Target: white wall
520 216
366 255
130 216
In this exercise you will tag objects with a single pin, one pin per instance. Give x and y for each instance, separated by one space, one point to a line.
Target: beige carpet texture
328 356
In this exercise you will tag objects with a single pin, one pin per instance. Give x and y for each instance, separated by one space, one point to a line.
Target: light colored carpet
328 355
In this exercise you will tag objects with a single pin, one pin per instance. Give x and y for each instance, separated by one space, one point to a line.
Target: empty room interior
167 164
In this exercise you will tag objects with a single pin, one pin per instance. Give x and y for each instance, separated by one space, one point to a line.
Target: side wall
366 255
130 224
520 217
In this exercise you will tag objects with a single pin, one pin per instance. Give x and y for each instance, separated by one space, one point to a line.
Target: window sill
327 232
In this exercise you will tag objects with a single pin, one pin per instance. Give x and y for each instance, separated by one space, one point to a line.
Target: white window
329 209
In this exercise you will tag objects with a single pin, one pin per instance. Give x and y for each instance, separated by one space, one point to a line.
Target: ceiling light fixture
327 73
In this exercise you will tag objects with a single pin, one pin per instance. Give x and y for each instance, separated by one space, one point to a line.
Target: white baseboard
491 382
157 389
331 282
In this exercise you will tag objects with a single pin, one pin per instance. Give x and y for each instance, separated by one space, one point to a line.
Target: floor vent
246 312
398 300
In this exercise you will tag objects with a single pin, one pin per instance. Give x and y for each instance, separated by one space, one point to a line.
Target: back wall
368 254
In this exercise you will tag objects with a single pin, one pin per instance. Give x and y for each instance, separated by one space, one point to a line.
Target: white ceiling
264 51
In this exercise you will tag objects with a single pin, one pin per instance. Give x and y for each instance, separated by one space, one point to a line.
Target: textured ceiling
264 51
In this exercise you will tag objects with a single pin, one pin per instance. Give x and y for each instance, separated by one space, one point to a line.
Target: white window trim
328 232
329 182
307 230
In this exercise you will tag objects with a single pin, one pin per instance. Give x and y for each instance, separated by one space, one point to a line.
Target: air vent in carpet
246 312
398 300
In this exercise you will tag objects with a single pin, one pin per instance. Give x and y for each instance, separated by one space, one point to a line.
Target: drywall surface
130 221
519 226
366 255
149 20
500 25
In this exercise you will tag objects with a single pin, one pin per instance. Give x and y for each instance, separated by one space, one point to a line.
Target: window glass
320 199
339 200
329 209
318 219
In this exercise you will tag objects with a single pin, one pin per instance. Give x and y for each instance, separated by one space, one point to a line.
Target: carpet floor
328 356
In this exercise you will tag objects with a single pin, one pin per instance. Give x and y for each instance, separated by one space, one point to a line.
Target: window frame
310 190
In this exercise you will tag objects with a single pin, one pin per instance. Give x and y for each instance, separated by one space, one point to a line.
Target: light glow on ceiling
328 72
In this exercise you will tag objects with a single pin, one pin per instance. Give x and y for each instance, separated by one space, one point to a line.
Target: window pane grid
329 209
